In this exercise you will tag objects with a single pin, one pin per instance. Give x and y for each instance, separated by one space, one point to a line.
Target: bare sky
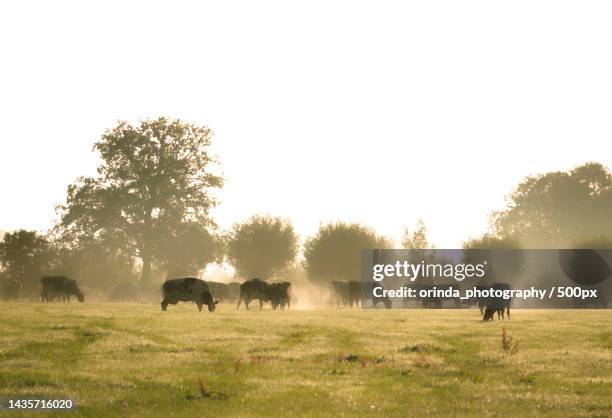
379 112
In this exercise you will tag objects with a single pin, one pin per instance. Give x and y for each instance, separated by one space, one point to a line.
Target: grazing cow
481 302
60 286
10 289
364 291
218 290
233 291
188 289
340 292
497 304
280 295
254 289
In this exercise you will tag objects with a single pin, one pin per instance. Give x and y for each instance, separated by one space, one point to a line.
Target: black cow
497 304
365 291
10 289
187 289
280 295
339 292
218 290
254 289
60 286
479 301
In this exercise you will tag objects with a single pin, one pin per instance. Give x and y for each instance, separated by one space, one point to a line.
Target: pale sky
378 112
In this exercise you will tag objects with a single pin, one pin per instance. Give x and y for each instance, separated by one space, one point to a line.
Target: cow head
208 300
80 296
488 314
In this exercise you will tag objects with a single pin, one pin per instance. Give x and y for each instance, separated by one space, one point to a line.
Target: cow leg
246 303
238 305
199 306
260 304
508 312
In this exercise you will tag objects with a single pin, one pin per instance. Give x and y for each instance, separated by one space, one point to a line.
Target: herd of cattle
202 293
210 293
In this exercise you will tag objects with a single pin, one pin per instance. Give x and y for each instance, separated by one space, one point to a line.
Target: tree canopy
261 246
558 209
25 256
154 177
334 253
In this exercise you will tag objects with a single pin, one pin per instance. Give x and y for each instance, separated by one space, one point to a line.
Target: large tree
558 209
261 246
153 178
25 256
334 253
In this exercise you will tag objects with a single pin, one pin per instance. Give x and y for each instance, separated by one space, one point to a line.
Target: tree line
146 215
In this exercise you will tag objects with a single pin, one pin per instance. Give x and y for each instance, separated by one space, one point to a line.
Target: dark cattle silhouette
339 292
10 289
218 290
254 289
61 287
364 291
480 302
188 289
497 304
280 295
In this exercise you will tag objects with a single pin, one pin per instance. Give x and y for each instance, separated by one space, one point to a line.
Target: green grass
133 359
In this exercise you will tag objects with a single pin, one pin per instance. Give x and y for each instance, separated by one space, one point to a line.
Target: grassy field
132 359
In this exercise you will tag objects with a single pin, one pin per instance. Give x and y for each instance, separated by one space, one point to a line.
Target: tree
188 250
334 253
262 246
417 239
96 263
418 244
557 209
153 178
25 256
491 242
